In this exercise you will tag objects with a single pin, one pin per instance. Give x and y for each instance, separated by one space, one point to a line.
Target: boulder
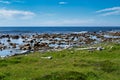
100 48
49 57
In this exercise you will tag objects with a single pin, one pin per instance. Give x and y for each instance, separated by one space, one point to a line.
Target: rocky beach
12 44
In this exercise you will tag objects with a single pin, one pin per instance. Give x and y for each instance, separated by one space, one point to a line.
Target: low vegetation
64 65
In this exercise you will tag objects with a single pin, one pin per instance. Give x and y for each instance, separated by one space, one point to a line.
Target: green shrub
107 66
92 76
71 75
3 63
83 63
3 75
6 62
14 61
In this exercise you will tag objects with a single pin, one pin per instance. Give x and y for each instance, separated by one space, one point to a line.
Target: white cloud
10 14
109 11
5 2
62 3
10 2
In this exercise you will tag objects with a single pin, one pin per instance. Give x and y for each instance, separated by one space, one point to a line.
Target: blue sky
59 12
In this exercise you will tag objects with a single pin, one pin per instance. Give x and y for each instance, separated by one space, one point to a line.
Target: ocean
57 29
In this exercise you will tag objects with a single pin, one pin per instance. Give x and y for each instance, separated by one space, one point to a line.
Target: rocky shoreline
14 44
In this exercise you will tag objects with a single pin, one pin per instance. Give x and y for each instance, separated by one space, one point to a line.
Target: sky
59 12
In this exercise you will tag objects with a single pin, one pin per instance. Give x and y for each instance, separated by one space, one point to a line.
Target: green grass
65 65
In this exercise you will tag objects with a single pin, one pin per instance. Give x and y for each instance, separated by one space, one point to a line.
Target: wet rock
8 40
15 37
2 47
39 45
25 47
13 45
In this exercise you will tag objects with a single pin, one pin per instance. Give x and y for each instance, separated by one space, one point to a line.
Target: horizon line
60 26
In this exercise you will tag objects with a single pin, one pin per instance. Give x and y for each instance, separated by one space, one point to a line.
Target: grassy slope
65 65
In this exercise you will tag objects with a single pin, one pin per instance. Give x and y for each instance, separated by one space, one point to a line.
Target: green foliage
3 75
83 63
107 66
5 62
71 75
92 76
